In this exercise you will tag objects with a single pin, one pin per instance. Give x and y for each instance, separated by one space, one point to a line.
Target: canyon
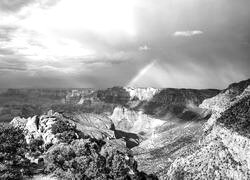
172 133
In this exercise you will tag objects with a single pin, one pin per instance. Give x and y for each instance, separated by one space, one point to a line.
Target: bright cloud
103 17
187 33
144 48
44 34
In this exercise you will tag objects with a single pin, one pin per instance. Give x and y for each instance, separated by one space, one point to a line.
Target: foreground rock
96 126
63 151
38 127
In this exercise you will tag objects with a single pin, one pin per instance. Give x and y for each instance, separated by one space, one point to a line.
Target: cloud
6 31
105 50
13 5
144 48
12 63
187 33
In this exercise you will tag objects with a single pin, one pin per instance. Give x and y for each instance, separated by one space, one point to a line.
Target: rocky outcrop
19 122
38 127
115 95
96 125
176 101
224 154
142 94
134 121
79 96
224 149
218 104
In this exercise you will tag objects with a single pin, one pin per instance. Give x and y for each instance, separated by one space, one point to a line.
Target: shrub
81 159
61 126
65 131
13 163
36 147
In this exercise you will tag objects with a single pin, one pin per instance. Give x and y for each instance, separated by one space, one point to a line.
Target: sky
139 43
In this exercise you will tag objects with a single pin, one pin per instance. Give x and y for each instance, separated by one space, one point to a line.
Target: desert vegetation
13 163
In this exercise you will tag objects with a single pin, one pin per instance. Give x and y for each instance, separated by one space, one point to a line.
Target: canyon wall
224 150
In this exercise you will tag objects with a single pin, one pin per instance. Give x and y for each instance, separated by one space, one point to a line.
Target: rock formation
96 126
38 127
142 94
223 152
176 133
134 121
176 101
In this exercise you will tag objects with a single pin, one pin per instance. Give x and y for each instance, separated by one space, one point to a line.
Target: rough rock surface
78 96
38 127
142 94
218 104
19 122
134 121
96 125
176 101
224 151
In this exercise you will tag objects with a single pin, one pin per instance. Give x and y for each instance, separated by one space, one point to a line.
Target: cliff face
227 97
116 95
176 101
142 94
134 121
223 152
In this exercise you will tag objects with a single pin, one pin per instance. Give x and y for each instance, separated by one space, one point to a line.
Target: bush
36 147
13 163
77 160
66 132
81 159
61 126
